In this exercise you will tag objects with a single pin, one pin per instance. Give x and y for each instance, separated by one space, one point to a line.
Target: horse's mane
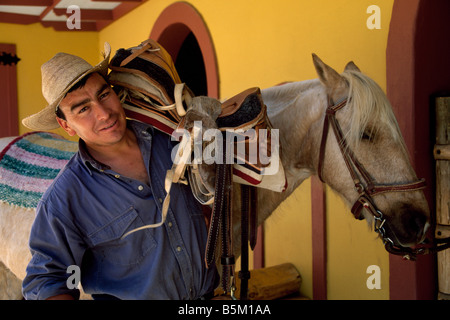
370 106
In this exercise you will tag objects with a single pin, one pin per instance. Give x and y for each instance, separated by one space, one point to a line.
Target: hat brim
46 118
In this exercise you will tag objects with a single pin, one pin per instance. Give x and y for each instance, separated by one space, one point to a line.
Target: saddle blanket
29 164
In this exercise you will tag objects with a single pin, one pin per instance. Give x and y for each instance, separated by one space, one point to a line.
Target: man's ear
66 127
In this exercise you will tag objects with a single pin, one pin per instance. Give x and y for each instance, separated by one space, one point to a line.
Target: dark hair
76 86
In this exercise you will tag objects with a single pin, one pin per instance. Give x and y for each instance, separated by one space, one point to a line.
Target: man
114 184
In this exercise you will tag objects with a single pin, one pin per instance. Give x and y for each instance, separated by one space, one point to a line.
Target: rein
367 188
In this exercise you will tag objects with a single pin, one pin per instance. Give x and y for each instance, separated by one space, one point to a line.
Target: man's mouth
110 126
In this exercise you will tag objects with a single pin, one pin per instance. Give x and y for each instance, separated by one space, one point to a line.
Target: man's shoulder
65 178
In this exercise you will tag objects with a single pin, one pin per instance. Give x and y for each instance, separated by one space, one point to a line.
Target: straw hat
59 74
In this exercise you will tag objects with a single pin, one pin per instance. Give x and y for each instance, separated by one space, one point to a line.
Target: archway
180 29
190 66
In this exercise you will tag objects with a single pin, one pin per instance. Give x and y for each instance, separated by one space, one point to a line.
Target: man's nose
101 112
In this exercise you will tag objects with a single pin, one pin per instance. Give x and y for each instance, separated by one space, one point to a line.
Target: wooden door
442 156
9 124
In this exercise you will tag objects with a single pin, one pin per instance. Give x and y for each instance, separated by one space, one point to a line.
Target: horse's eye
366 136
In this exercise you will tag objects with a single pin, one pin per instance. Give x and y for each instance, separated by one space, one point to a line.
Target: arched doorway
190 66
417 68
181 30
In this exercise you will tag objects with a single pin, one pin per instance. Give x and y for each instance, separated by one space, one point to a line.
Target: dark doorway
190 66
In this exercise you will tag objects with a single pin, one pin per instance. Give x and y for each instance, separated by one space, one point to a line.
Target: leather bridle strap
359 175
357 171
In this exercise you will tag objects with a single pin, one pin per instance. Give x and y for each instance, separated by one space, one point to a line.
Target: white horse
299 111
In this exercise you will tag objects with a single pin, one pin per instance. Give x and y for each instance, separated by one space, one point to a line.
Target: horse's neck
297 111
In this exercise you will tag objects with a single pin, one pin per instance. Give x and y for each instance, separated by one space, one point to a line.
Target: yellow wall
258 43
34 46
262 43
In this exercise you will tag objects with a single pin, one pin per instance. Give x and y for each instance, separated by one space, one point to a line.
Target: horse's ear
351 66
327 75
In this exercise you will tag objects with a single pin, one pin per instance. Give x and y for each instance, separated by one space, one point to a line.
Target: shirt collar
141 130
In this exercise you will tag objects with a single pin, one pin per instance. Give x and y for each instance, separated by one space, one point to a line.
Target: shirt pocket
108 243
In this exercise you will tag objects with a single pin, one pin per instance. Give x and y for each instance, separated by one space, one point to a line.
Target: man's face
94 113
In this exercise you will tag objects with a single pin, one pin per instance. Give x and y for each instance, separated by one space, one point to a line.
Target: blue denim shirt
82 216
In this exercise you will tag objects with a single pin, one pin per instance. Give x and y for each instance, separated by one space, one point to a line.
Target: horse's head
363 156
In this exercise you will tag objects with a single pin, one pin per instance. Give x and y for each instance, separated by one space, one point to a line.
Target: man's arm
54 245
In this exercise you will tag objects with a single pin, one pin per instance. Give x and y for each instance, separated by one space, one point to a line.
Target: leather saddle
151 91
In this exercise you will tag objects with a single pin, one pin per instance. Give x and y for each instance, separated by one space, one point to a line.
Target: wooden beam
258 252
319 239
34 3
18 18
87 14
62 26
119 11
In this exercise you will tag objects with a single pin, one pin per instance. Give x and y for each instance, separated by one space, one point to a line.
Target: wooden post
272 282
442 156
9 123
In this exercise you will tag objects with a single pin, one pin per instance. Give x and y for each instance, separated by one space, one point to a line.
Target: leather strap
253 216
145 46
227 258
367 188
244 274
216 217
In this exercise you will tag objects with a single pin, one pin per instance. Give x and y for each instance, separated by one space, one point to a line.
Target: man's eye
84 109
104 95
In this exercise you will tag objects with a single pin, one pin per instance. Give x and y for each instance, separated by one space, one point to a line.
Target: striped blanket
29 164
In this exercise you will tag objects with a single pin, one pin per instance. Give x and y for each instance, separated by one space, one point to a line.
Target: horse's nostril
416 223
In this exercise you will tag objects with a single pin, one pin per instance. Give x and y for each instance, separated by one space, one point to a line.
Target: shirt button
160 200
117 176
178 248
140 188
170 224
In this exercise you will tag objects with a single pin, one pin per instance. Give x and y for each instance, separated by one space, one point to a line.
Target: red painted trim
39 3
62 26
87 14
18 18
9 119
258 252
171 29
319 239
91 19
48 9
417 68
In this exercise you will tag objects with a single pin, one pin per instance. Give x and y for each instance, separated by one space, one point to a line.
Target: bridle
367 188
